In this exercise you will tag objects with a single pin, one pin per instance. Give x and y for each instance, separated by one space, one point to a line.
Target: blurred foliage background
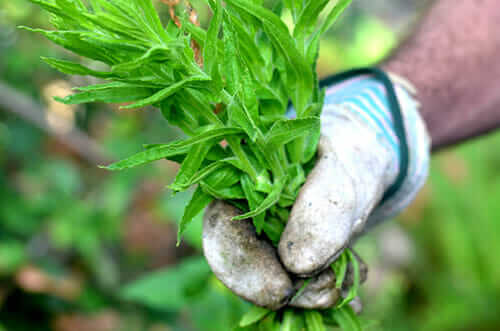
83 249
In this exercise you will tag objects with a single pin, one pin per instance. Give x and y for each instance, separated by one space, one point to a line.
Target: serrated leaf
210 49
254 315
271 199
182 118
154 54
212 168
175 148
333 15
308 18
71 68
232 69
284 43
239 116
150 17
165 93
254 200
190 166
282 132
223 193
249 48
111 93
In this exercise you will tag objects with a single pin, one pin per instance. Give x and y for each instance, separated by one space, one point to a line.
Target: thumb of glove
347 182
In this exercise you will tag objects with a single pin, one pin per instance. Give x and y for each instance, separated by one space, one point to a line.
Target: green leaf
284 131
239 152
151 18
249 48
223 193
254 200
225 177
314 321
239 116
210 49
284 43
339 268
273 228
156 54
190 166
353 291
223 184
111 93
165 93
271 199
197 203
346 319
292 321
181 117
210 169
231 60
71 68
175 148
334 14
308 18
254 315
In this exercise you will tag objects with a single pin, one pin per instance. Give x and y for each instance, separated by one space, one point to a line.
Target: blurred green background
84 249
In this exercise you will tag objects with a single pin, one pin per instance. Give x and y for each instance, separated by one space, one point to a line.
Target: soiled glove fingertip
320 224
247 265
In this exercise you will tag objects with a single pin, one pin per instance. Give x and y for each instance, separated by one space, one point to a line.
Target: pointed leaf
71 68
111 93
271 199
282 132
164 93
254 315
174 148
190 166
197 203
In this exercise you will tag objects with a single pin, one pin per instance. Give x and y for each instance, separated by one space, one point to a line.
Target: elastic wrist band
395 109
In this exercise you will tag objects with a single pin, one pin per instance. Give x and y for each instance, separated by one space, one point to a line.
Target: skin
453 60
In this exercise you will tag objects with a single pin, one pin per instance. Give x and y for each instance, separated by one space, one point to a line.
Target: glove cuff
389 107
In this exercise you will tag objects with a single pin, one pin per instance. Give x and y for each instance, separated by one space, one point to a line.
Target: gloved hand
358 160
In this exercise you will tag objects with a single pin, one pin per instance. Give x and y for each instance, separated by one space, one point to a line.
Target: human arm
453 59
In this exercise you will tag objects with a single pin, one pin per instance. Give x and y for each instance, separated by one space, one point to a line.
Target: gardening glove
358 161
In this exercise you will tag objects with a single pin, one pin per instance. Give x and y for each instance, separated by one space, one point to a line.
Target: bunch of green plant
254 65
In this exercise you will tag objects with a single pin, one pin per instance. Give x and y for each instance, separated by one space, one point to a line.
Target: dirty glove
359 159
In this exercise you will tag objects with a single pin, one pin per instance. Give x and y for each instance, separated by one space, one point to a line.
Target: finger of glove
247 265
348 180
321 291
321 221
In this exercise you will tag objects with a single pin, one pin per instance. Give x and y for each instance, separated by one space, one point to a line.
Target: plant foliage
253 66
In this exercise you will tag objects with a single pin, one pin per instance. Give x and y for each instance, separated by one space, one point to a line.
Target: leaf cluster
253 66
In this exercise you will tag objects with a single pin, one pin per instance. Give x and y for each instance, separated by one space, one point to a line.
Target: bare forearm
454 61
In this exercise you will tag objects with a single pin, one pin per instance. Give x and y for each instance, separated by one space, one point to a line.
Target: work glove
346 193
